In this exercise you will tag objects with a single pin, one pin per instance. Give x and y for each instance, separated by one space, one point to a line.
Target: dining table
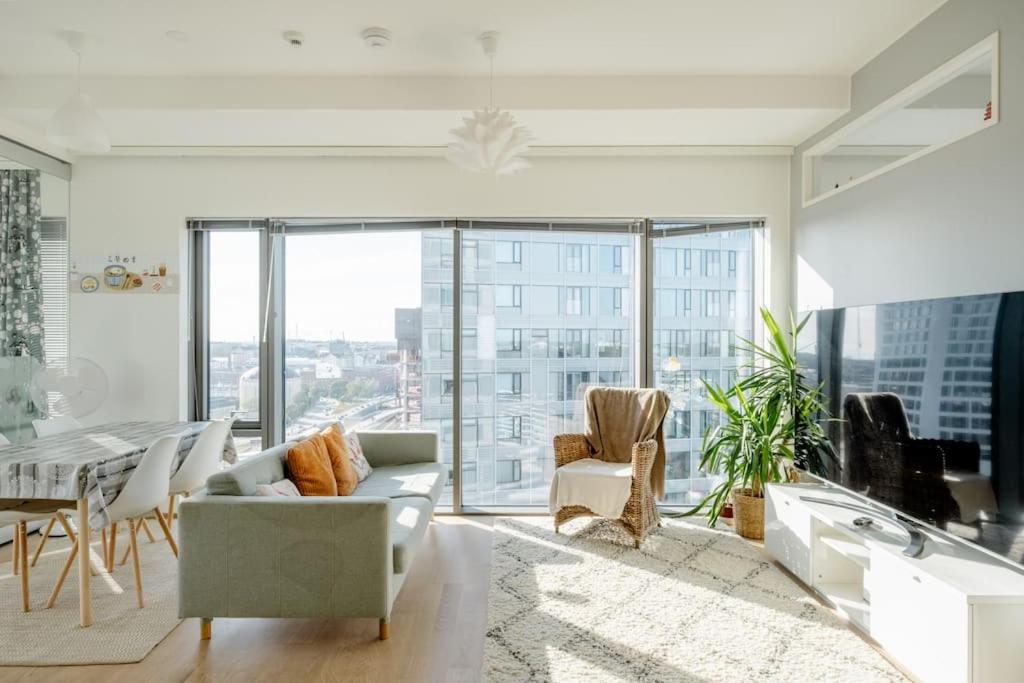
87 468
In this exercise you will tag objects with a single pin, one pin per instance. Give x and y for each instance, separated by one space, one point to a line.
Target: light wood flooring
437 631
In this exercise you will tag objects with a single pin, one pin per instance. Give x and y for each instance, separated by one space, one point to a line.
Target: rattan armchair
641 511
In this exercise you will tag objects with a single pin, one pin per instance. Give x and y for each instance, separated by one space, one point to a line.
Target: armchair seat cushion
421 479
410 518
603 487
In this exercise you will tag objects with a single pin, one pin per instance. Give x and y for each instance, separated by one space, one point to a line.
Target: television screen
927 409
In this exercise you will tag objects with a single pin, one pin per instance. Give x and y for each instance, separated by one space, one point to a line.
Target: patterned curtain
21 293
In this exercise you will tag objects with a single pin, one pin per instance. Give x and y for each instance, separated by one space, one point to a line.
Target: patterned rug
121 632
693 604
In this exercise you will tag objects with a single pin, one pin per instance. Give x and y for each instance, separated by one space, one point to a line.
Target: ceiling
792 46
243 37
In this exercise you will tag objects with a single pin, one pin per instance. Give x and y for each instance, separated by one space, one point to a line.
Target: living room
676 341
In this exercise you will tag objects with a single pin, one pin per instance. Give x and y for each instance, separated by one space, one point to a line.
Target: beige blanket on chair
618 418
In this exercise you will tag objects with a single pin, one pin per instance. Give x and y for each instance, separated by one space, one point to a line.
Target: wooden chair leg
63 575
42 540
112 546
385 629
62 518
170 508
21 535
125 555
16 550
103 543
167 531
145 528
205 628
133 532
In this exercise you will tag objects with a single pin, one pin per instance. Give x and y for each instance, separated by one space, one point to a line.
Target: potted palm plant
771 424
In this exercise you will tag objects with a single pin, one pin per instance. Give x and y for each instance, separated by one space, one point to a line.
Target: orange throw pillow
309 467
344 474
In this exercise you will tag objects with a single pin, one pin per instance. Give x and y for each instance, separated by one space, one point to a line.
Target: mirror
958 99
34 229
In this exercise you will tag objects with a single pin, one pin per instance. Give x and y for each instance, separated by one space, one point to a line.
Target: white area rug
693 604
121 632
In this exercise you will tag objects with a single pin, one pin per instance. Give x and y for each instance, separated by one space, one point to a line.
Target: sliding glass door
485 332
703 304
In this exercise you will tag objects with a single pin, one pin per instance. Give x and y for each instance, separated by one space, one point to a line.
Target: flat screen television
927 410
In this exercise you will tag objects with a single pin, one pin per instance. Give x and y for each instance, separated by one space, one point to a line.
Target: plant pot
749 514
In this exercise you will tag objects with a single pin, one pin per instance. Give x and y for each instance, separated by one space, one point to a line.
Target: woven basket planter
748 514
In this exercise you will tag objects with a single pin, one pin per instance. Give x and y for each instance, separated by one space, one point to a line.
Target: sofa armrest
284 557
386 448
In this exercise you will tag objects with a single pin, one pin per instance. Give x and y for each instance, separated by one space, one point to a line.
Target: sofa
243 555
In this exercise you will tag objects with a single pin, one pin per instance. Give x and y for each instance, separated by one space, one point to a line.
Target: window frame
639 347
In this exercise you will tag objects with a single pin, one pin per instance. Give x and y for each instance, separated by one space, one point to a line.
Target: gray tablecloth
92 463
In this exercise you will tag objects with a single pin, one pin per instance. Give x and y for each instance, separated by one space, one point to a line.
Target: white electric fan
75 387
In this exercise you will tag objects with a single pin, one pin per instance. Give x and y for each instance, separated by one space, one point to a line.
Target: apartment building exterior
545 314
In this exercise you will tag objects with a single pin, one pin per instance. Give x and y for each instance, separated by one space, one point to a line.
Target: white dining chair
201 462
143 494
19 561
55 425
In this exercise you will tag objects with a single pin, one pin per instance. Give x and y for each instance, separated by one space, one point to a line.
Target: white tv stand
953 613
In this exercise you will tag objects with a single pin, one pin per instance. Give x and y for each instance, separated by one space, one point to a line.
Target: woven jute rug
693 604
120 633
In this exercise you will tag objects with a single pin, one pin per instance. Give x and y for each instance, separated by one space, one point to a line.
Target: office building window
509 471
510 384
510 343
611 259
508 252
508 296
611 301
576 260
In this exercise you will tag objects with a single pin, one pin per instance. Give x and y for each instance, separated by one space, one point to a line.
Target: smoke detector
293 38
376 37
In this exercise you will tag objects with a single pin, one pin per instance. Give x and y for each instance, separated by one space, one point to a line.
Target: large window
488 333
556 326
696 344
368 323
234 315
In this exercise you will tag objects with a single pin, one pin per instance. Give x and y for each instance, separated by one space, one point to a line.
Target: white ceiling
236 37
578 72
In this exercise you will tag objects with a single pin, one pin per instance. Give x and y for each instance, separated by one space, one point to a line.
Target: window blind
54 256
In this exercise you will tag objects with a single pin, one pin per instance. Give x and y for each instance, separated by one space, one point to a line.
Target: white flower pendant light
490 140
76 125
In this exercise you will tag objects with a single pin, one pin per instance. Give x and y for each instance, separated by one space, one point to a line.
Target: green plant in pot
771 424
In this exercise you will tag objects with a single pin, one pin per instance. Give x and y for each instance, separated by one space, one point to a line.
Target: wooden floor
437 631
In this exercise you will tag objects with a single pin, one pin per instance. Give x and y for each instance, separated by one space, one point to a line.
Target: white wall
141 204
946 224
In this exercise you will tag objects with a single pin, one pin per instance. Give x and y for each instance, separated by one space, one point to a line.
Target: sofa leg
205 628
385 629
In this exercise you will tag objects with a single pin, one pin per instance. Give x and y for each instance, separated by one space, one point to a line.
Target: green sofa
248 556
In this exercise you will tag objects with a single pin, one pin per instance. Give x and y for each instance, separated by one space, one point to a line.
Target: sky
337 285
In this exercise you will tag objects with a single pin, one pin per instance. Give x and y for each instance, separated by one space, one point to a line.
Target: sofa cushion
242 479
309 466
410 518
422 479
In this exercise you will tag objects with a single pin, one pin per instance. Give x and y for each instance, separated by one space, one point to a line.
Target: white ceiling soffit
411 111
